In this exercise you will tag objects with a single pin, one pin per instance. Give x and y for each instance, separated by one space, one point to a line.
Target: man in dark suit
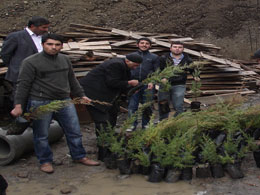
105 83
21 44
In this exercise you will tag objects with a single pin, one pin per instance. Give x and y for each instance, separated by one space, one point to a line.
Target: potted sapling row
210 155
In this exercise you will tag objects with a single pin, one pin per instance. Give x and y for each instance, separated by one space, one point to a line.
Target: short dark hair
53 36
177 43
38 21
144 39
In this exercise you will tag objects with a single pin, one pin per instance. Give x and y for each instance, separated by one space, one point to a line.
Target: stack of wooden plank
89 46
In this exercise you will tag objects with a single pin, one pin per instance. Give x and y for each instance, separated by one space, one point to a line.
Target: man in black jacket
105 83
178 83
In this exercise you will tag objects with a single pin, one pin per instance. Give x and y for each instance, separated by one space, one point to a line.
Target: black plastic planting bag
257 158
220 138
217 171
195 106
124 166
145 170
203 172
103 152
172 175
234 170
164 107
256 134
186 173
18 126
135 167
157 173
110 161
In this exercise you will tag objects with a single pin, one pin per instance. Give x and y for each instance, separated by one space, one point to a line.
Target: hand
133 83
197 79
17 111
164 81
150 86
85 99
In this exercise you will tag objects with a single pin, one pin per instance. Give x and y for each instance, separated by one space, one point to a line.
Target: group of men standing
46 75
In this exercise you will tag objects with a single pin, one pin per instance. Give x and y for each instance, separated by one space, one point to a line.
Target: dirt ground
230 24
25 178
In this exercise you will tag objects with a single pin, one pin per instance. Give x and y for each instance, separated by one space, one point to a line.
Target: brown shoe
47 168
87 161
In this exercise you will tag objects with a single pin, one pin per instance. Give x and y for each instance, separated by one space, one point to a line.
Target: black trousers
104 118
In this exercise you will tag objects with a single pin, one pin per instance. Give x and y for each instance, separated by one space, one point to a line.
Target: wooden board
209 100
184 39
126 33
120 43
96 47
91 43
73 45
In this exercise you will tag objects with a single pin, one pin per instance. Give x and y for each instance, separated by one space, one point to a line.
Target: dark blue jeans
176 96
68 120
142 96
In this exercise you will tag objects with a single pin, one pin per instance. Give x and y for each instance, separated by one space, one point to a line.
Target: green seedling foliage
209 151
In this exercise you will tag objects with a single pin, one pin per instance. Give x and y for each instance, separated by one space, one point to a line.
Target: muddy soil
230 24
25 178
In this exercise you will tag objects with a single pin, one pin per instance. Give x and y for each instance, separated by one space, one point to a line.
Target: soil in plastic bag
110 161
234 170
18 126
257 158
217 171
124 166
256 134
145 170
172 175
186 173
103 152
203 172
157 173
135 167
195 106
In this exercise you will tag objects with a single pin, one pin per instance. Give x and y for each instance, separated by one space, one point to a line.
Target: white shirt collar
31 33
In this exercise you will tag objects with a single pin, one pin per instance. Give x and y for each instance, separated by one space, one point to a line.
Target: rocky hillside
230 24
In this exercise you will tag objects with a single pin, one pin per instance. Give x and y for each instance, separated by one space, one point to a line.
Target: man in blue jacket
145 94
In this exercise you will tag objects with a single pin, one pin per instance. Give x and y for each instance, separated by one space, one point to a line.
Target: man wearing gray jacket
46 77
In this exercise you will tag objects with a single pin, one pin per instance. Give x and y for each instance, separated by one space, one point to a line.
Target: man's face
144 45
52 47
40 30
177 49
131 65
